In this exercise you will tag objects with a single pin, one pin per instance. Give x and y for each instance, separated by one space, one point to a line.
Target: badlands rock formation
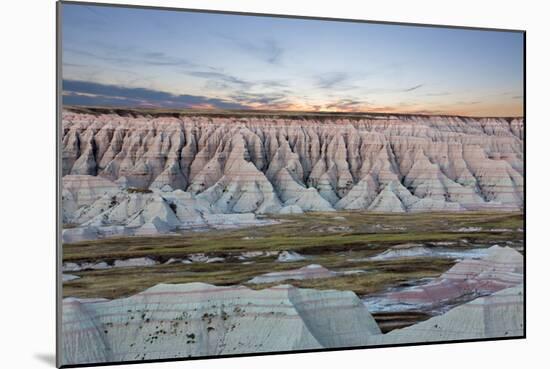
196 319
289 165
101 208
499 268
312 271
412 250
497 315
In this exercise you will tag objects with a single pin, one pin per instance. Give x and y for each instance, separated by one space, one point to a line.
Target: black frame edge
58 250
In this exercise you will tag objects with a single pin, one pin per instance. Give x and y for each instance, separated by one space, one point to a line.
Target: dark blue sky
138 57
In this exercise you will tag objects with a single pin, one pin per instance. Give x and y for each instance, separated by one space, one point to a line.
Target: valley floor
369 254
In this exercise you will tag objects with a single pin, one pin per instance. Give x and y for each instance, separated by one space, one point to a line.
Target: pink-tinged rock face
245 164
497 315
501 268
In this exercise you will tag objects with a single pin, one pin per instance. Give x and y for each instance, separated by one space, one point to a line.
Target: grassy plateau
340 241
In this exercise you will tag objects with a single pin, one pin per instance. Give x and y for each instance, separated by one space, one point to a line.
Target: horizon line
267 112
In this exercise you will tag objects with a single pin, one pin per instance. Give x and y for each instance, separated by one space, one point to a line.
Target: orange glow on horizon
496 109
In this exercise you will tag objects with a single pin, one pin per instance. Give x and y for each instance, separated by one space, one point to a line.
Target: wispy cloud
132 57
346 105
91 93
266 99
268 50
425 112
225 81
474 102
332 80
413 88
274 83
85 93
442 93
219 76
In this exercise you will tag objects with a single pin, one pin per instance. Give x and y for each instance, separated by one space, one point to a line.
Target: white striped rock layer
196 319
270 165
499 315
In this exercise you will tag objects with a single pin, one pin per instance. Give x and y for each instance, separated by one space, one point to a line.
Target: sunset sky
153 58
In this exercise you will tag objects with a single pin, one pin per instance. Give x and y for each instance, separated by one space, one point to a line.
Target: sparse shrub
138 190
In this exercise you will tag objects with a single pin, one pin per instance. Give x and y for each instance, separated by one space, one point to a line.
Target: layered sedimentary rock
498 315
312 271
196 319
100 208
412 250
267 165
497 269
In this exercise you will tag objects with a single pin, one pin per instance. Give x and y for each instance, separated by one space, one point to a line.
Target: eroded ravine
261 164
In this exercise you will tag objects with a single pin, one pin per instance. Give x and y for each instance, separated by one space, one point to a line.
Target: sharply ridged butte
242 164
